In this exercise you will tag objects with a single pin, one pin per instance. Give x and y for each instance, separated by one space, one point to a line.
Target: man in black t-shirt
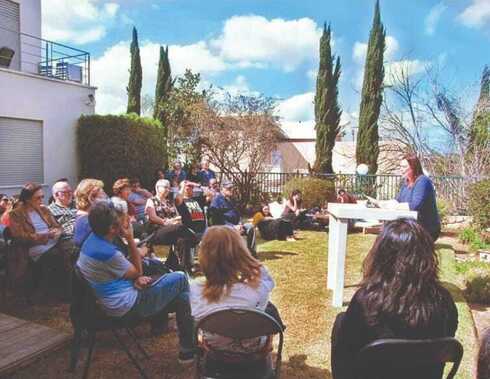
196 219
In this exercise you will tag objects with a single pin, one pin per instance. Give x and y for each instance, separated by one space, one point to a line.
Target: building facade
44 89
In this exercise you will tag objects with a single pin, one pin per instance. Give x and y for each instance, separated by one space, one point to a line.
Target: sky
270 46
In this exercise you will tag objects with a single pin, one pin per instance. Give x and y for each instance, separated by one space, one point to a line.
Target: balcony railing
28 53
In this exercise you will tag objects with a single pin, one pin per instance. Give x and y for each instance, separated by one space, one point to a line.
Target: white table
337 239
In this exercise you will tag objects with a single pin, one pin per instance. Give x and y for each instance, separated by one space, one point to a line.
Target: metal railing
39 56
452 189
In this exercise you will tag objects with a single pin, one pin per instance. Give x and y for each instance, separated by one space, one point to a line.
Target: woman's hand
43 238
142 282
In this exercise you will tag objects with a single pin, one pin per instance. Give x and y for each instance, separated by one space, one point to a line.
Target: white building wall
58 105
30 23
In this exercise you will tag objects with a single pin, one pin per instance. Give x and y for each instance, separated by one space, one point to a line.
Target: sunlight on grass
299 269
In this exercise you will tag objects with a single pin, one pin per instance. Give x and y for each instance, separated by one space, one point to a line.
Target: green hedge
479 203
110 147
315 191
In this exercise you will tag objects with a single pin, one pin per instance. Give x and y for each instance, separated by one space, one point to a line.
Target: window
21 152
9 30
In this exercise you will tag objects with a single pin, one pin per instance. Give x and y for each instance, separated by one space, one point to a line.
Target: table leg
339 247
331 255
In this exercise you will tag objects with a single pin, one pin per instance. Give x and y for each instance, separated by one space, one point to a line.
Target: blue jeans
170 294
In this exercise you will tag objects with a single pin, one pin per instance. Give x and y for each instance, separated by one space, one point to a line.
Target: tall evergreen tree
135 77
367 148
162 93
480 127
327 110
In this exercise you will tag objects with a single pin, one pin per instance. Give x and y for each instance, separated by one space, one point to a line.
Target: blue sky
270 46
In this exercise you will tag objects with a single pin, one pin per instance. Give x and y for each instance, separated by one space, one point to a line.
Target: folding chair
400 358
238 324
87 315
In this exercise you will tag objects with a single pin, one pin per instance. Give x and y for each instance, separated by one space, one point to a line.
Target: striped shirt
65 216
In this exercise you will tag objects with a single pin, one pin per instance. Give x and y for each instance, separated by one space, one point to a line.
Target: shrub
444 210
110 147
479 203
315 191
476 240
478 285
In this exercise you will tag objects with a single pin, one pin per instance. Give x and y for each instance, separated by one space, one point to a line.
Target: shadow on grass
455 291
272 255
443 246
297 368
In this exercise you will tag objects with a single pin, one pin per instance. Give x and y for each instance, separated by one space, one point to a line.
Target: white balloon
362 169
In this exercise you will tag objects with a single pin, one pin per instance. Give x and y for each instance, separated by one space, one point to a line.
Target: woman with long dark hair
418 191
273 229
293 211
400 296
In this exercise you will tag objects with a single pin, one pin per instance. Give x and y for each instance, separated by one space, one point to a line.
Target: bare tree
239 137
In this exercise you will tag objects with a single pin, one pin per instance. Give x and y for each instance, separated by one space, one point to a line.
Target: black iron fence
452 189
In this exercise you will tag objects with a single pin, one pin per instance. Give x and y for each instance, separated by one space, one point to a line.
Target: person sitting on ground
345 198
138 198
62 210
400 296
271 228
37 234
223 211
166 224
232 278
483 365
122 289
293 211
206 174
88 192
177 175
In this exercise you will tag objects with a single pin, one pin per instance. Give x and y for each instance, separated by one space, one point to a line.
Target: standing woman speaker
418 191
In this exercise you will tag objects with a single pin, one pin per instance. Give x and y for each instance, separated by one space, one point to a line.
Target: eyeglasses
69 192
40 197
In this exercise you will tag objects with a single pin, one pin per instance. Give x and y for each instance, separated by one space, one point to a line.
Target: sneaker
187 358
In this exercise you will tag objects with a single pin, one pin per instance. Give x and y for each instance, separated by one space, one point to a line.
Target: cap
227 184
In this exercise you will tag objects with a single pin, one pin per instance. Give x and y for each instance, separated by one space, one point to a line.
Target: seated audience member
37 234
197 220
345 197
4 203
51 198
5 218
232 278
166 224
122 190
138 198
211 191
224 212
88 192
62 210
177 175
272 229
206 174
483 366
122 289
293 211
400 296
193 174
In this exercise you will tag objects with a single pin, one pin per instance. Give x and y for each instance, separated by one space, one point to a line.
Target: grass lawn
299 269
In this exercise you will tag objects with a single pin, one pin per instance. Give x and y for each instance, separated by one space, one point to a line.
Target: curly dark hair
401 275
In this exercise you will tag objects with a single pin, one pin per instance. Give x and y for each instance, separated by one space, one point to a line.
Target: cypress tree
135 77
162 91
367 148
327 110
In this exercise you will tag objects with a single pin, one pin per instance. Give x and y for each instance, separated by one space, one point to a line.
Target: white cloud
433 18
359 50
396 69
77 21
477 14
297 108
110 72
254 40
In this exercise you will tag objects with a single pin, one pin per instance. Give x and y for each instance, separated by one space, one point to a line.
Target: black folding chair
86 315
400 358
238 324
